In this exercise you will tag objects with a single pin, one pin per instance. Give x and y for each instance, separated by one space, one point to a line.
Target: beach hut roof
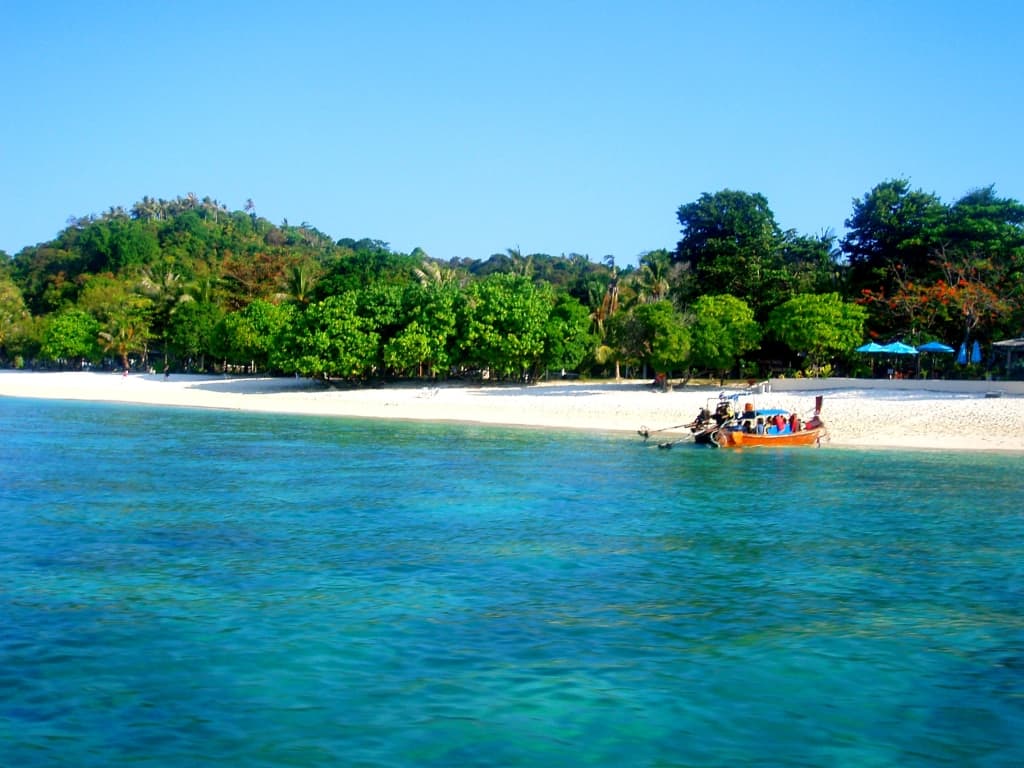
1010 343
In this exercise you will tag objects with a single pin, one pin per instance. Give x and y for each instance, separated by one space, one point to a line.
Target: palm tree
212 207
123 335
431 273
608 307
652 279
299 283
609 303
521 265
146 209
204 288
167 289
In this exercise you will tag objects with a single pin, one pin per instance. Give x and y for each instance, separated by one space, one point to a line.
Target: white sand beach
869 413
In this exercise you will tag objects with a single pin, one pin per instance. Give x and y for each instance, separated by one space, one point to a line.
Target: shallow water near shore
189 588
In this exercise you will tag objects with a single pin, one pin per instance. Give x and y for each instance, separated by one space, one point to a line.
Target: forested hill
189 284
244 256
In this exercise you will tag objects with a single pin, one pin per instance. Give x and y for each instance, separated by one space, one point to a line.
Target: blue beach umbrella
936 346
870 347
898 348
976 352
961 357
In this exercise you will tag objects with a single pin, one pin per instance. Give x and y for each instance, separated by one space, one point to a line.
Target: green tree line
190 285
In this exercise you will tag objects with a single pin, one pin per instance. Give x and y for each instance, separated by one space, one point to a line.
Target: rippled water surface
189 588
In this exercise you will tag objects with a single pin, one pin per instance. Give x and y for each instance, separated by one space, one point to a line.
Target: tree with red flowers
965 300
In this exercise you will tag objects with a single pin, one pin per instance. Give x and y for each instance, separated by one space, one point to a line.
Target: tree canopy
723 330
199 287
732 244
818 325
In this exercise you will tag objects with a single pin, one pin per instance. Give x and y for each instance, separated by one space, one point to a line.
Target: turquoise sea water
191 588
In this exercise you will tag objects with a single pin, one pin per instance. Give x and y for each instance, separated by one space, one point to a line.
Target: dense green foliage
732 245
188 284
723 330
821 324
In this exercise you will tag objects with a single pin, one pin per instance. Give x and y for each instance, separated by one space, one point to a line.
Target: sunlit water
190 588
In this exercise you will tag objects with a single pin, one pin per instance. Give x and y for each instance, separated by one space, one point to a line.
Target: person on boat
780 423
748 411
703 418
794 423
759 429
724 411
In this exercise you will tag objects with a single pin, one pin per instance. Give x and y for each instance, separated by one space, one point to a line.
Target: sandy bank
856 415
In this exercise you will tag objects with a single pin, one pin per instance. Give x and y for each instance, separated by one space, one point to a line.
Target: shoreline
858 413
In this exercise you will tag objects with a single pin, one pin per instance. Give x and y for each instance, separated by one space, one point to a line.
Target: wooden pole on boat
645 433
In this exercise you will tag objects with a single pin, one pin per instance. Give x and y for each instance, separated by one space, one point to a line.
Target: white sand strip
880 417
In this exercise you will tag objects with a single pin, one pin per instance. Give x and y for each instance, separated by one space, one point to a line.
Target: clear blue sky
467 128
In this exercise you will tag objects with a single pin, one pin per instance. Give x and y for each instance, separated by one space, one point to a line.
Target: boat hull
728 438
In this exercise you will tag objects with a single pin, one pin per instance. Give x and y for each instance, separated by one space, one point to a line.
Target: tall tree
981 226
608 304
122 336
168 291
47 277
652 278
983 223
812 264
891 226
731 245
